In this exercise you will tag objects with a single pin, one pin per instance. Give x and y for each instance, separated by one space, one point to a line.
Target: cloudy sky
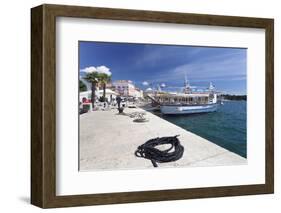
148 65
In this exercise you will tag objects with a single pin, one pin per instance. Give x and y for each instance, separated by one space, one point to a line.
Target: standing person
118 99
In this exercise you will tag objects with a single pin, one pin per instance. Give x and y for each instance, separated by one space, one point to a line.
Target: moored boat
190 101
172 109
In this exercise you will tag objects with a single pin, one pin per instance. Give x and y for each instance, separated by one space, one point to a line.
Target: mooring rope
149 151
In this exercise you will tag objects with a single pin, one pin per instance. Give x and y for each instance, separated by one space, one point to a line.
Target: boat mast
186 84
187 88
211 86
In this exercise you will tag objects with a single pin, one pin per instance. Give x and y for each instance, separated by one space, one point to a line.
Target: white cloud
145 83
163 85
99 69
89 69
103 69
148 89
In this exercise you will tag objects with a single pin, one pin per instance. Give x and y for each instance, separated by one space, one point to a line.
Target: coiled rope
149 151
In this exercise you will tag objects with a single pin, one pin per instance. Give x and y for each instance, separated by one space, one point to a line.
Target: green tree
93 78
82 86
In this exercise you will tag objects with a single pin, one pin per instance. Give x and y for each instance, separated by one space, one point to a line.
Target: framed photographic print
136 106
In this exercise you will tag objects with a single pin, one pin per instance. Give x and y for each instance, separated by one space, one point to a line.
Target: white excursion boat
189 101
184 109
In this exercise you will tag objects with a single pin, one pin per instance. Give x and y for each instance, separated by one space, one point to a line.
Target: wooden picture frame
43 105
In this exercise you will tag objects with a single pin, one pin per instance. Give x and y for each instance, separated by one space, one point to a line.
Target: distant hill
234 97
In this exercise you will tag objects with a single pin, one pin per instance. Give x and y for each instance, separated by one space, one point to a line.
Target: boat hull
179 110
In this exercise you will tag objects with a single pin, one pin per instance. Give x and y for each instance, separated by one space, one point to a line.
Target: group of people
105 104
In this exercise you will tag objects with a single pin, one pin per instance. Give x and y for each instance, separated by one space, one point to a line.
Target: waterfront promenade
108 141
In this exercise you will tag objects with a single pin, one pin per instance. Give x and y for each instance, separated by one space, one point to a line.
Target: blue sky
225 67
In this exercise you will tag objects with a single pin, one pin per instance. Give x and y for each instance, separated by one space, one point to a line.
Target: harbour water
226 127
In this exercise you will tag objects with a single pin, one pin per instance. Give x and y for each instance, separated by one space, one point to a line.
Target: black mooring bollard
121 109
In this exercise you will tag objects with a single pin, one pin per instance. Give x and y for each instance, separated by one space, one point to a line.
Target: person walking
118 99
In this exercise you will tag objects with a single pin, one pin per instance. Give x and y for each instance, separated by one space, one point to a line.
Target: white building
138 93
149 90
109 94
127 88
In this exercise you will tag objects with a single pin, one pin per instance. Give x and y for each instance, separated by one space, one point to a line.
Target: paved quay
108 141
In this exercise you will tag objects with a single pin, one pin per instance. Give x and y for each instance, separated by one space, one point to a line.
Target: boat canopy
170 95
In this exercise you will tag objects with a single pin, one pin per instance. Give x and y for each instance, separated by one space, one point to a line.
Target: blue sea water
226 127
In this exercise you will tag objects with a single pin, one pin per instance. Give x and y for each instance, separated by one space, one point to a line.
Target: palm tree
104 79
93 78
